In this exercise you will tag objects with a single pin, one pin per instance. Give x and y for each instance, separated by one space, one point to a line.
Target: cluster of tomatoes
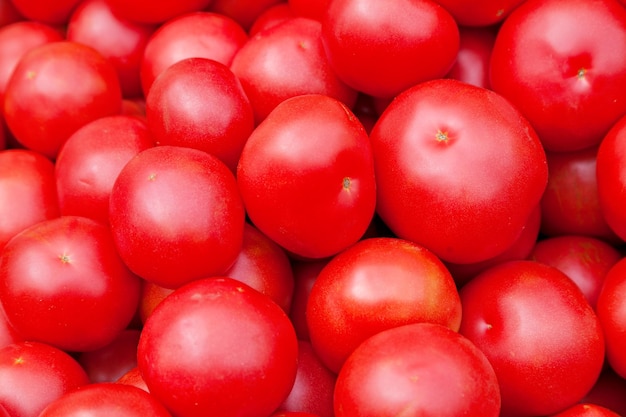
331 208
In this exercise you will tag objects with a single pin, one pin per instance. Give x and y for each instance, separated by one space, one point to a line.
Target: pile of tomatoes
331 208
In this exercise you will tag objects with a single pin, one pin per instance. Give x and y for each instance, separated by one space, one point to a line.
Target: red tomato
62 282
28 192
195 35
121 41
312 200
55 89
176 215
155 11
611 310
472 61
374 285
568 81
263 265
314 386
90 161
420 369
480 13
304 274
586 410
133 377
216 347
611 178
32 375
110 362
106 400
442 179
8 13
285 61
608 391
571 204
539 333
311 9
272 16
199 103
585 260
383 48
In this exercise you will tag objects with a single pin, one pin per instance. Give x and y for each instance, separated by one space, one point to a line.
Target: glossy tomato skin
374 46
538 331
568 82
611 177
480 13
110 362
611 310
217 347
586 410
28 190
445 182
38 109
33 374
63 283
155 12
50 12
285 61
305 272
374 285
176 215
244 12
419 369
199 103
194 35
106 399
472 61
272 16
306 176
571 203
121 41
585 260
90 160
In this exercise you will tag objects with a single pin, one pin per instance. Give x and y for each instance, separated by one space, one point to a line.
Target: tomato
304 274
56 12
571 203
133 377
585 260
611 309
285 61
169 234
420 369
194 35
62 282
568 82
155 11
474 56
32 375
90 160
28 192
121 41
8 13
539 333
586 410
106 399
311 9
244 12
458 170
611 177
217 347
37 107
314 386
377 284
608 391
383 48
110 362
272 16
312 200
199 103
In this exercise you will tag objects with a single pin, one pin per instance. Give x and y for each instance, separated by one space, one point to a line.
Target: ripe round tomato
111 362
176 215
199 103
62 282
374 285
90 161
383 48
104 400
244 12
480 13
472 61
458 170
51 12
32 375
313 200
552 60
55 89
539 333
420 369
155 11
586 410
216 347
286 61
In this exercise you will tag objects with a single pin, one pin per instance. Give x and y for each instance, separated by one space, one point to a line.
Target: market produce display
296 208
